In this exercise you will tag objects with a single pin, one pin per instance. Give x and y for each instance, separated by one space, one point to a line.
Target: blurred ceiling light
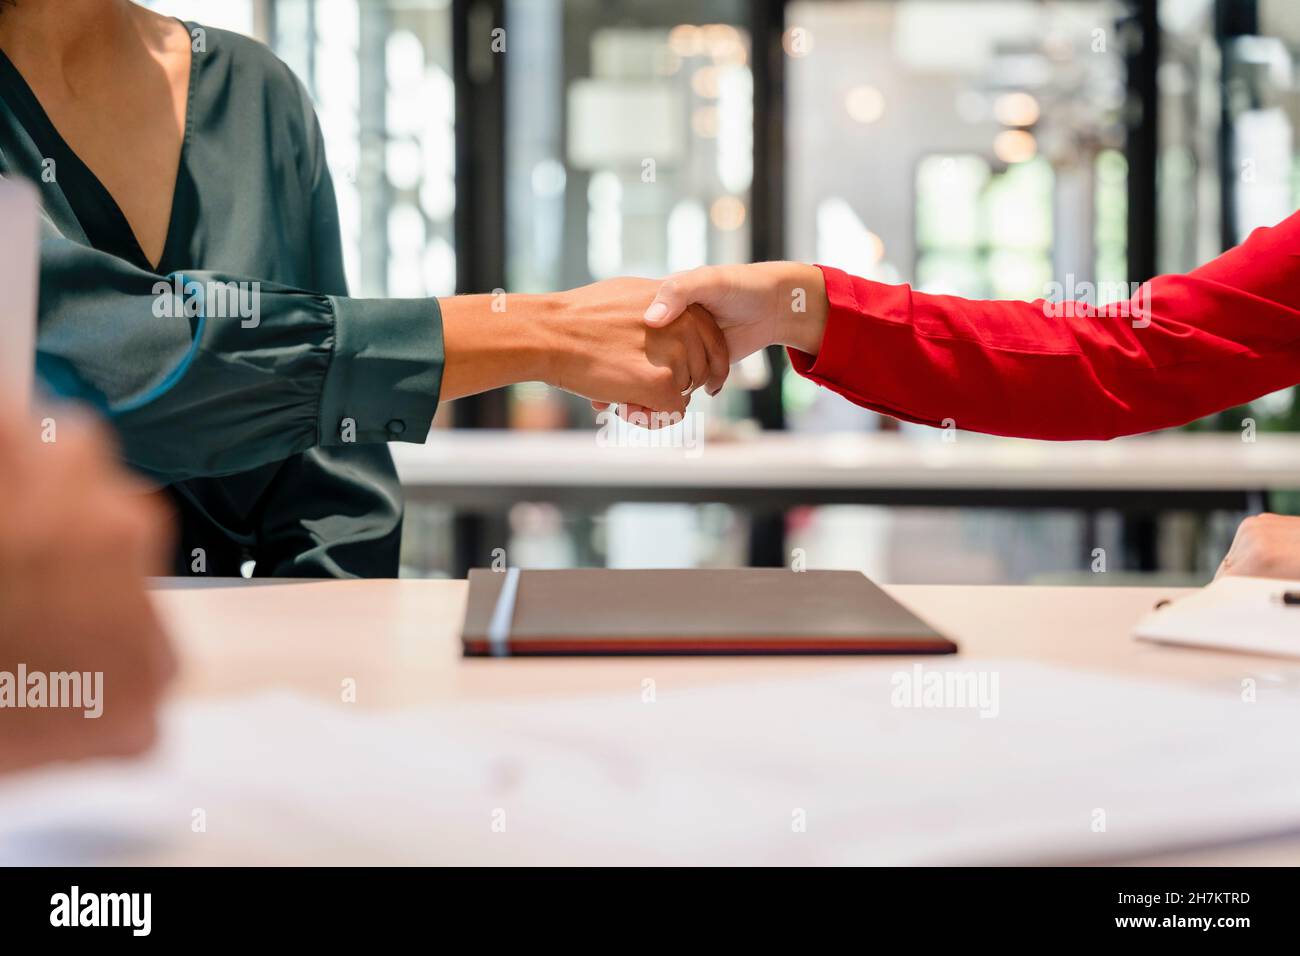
604 189
688 236
438 197
735 153
548 178
704 121
798 41
1016 109
403 163
704 81
727 213
1058 47
667 61
737 56
866 104
439 267
406 229
1015 146
875 247
685 39
403 59
722 42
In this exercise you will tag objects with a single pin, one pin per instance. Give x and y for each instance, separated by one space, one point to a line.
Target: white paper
1232 613
1073 768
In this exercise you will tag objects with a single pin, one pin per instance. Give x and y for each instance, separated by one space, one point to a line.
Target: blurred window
379 73
629 151
987 165
1263 106
241 16
982 234
1110 229
1262 177
629 139
1188 193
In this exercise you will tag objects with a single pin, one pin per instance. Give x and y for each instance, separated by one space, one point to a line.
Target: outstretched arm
1183 347
195 390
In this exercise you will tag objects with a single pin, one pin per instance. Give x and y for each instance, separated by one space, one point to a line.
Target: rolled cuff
839 340
851 354
385 371
842 353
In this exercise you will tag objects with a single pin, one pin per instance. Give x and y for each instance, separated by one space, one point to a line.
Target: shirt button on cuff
396 426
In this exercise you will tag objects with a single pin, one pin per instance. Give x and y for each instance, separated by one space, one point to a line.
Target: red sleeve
1183 347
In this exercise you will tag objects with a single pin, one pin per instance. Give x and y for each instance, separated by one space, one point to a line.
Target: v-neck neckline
106 201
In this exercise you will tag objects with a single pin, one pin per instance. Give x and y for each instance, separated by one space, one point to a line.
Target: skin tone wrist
801 330
491 342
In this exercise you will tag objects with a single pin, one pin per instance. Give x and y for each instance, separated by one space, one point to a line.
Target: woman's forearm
490 342
802 288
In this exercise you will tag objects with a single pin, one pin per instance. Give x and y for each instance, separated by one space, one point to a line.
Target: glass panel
239 16
629 139
629 151
380 74
1188 201
1263 103
970 148
982 165
1110 231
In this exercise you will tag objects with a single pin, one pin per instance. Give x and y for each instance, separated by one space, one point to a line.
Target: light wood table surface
399 640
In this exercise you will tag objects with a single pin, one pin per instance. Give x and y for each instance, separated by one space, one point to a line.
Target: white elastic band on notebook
498 632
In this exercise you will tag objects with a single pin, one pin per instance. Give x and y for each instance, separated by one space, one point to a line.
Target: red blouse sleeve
1183 347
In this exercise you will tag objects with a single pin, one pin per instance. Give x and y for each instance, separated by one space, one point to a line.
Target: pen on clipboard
1288 598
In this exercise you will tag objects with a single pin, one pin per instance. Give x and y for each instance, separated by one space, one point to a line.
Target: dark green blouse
268 426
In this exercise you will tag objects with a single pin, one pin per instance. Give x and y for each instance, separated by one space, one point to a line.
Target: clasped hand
610 355
749 306
642 344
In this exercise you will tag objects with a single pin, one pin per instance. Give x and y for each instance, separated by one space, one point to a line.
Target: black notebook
735 611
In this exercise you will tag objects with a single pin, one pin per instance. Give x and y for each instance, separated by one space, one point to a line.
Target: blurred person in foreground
1183 347
78 536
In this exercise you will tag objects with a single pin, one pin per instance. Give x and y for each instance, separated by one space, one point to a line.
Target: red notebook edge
706 647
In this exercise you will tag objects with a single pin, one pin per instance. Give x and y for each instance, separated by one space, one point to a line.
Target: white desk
490 470
399 641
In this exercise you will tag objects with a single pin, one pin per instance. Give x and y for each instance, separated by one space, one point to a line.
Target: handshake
642 344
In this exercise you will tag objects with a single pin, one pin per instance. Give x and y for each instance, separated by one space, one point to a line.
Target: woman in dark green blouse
192 276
